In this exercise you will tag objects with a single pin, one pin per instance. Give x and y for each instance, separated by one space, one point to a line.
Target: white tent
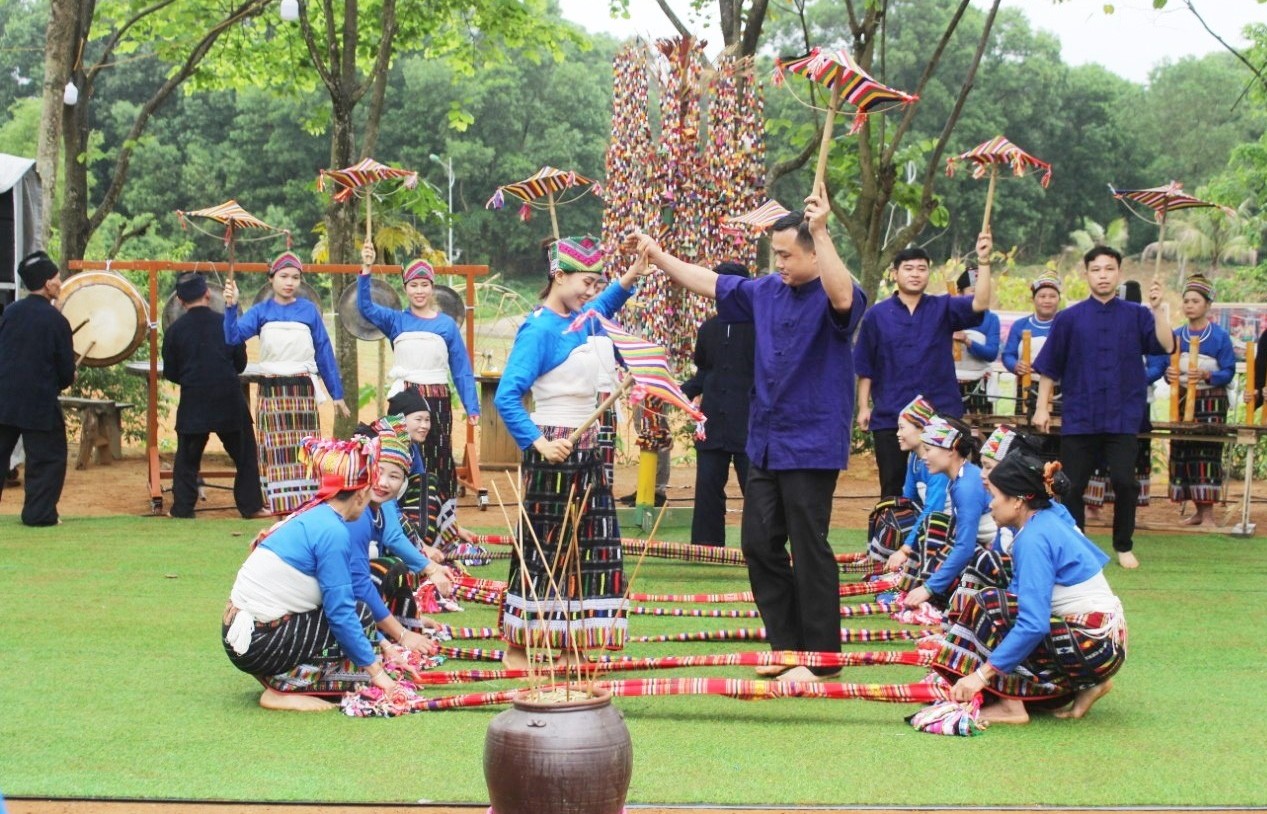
19 218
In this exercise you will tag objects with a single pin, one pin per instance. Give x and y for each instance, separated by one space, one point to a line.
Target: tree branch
310 42
116 36
673 18
247 9
1222 42
752 32
382 64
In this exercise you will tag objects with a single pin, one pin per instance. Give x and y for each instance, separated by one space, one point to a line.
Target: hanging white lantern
290 10
71 95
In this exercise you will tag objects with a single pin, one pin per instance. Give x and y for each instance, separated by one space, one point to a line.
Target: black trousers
240 444
890 460
45 469
1078 456
800 605
712 471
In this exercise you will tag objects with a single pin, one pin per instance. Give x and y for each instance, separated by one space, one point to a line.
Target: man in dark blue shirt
37 361
1095 350
905 349
799 419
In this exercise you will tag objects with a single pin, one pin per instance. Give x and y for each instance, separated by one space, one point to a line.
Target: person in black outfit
37 361
724 357
196 357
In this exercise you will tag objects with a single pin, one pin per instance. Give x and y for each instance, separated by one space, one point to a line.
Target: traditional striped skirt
607 440
298 653
1196 468
437 449
1079 652
570 589
989 568
887 526
934 546
1100 489
286 413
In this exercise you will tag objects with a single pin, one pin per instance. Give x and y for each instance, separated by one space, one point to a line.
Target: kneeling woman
293 620
561 370
1060 630
922 493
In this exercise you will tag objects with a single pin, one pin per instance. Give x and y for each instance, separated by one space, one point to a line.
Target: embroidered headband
393 442
285 260
339 465
1045 280
1200 284
998 444
419 270
576 254
938 433
918 413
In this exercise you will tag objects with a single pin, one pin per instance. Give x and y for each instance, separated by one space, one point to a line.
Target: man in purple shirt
1094 351
798 429
905 349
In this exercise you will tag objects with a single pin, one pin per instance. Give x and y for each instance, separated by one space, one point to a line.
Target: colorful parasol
234 217
993 153
848 82
1163 200
362 174
761 218
546 182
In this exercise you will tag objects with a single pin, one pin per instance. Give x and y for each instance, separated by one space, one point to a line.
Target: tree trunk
341 219
67 21
74 225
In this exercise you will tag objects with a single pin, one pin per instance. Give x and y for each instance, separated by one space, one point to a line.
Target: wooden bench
100 428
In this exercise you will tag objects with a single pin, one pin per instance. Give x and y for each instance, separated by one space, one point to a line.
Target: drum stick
1194 371
86 351
75 329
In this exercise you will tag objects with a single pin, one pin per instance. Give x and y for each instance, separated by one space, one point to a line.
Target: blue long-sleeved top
1012 348
1046 552
988 350
934 499
394 323
381 525
1216 344
239 329
969 500
542 344
316 543
1155 365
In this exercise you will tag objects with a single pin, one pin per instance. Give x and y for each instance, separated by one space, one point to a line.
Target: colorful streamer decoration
361 174
760 219
1000 151
837 69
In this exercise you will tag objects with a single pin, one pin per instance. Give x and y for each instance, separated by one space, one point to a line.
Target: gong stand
468 470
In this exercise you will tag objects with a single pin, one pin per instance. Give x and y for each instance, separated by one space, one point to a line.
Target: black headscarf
406 402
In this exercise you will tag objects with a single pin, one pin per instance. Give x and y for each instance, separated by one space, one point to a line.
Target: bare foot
1005 711
1083 701
1126 559
515 658
1195 520
799 674
293 702
771 670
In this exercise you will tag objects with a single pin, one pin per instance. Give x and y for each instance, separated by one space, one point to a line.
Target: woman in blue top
295 620
1059 630
429 351
561 370
896 523
294 346
1196 468
933 574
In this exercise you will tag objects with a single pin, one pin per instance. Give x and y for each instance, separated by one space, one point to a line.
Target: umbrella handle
554 215
368 222
989 197
824 146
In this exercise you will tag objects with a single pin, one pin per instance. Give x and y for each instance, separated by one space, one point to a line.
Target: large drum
381 293
106 313
173 310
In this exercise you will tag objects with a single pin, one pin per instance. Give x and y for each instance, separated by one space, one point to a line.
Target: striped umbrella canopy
363 173
761 218
1163 199
544 182
837 70
231 214
999 150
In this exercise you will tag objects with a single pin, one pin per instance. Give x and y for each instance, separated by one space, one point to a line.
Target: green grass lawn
113 683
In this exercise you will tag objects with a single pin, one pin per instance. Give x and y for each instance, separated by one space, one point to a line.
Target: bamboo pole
1251 386
824 146
1025 354
1174 388
1194 372
989 198
602 408
554 215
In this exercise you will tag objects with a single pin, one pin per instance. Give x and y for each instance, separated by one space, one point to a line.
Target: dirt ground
120 488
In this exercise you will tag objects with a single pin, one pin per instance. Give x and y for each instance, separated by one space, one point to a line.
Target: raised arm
1161 317
985 286
697 279
837 282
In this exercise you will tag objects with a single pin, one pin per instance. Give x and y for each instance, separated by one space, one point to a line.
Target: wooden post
1025 353
1194 372
1251 386
824 146
989 197
1174 388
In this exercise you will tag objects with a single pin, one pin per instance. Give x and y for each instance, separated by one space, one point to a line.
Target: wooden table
100 428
